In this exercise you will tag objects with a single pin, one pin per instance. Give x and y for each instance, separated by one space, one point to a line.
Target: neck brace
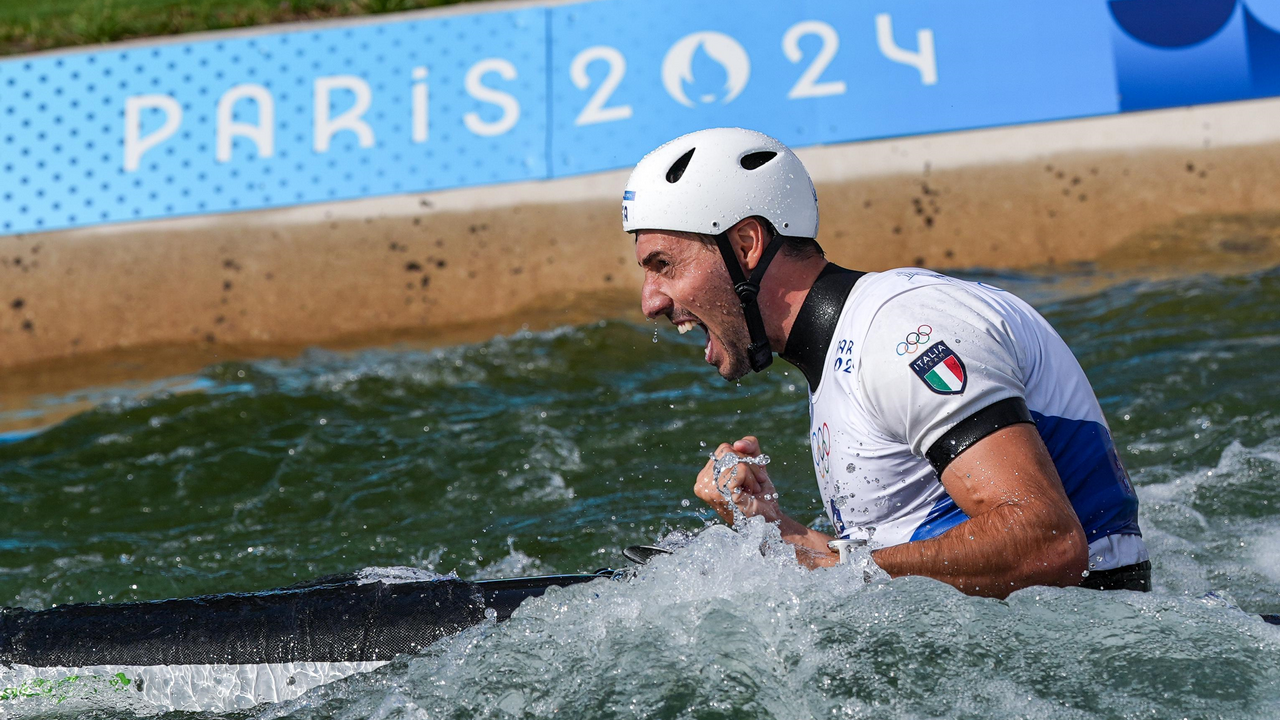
815 325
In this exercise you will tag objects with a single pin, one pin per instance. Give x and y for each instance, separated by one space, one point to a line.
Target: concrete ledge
1066 192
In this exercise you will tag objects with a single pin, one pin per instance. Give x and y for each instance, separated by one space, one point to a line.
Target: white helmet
707 181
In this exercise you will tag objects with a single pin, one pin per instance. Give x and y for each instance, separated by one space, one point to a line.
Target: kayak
217 653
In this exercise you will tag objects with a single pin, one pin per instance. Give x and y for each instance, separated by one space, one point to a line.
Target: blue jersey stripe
944 516
1092 474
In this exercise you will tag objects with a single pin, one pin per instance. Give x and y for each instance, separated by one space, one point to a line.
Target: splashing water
731 460
562 447
398 574
730 626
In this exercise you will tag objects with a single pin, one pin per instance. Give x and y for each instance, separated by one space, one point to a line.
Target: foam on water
1194 554
730 626
398 574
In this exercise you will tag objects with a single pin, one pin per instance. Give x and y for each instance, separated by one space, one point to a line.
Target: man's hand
754 494
747 486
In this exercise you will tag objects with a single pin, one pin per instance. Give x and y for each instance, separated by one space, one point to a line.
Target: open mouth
686 325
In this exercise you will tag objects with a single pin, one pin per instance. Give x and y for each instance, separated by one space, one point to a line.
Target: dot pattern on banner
1064 69
643 40
62 121
63 117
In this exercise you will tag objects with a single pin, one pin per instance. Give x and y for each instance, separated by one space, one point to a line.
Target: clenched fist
749 488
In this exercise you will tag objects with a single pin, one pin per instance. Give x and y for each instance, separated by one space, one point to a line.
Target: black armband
969 431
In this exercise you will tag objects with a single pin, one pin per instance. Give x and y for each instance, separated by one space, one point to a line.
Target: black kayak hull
334 619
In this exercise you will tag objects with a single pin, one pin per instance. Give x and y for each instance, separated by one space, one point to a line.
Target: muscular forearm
811 545
1007 548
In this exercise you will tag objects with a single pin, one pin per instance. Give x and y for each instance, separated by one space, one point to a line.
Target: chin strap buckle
760 355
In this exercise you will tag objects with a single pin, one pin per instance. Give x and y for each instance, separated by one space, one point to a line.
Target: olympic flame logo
915 340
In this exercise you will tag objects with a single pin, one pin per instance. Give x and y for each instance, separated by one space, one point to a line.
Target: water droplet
684 503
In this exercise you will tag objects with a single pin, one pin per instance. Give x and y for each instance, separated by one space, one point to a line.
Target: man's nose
653 301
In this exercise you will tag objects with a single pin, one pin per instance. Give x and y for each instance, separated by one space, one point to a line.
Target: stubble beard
732 335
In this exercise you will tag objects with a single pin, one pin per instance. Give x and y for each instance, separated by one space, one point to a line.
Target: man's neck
813 323
783 292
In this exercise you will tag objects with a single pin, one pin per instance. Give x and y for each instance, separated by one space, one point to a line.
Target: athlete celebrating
951 427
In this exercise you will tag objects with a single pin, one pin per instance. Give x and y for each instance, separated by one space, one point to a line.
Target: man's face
686 281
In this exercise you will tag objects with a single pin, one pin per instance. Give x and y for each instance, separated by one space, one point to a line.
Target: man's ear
749 238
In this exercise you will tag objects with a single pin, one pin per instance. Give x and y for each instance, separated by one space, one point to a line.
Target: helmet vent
678 167
751 161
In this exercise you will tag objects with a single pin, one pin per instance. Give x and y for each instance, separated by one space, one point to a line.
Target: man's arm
811 545
754 493
1022 530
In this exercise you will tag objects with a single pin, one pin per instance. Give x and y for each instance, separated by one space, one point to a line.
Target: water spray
732 460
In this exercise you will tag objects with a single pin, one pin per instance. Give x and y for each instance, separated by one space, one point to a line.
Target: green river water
548 452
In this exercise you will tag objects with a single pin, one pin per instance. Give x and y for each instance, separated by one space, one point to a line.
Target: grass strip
32 25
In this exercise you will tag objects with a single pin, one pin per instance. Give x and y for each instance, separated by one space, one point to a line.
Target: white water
730 626
397 574
148 690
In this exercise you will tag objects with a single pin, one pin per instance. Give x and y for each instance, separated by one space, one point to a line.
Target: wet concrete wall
1102 189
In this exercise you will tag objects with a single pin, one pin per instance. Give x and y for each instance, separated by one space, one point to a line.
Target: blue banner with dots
626 78
271 120
417 103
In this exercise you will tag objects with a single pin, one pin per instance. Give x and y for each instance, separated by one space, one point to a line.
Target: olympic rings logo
915 340
820 439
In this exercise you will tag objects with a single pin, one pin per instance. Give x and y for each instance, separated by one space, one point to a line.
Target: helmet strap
758 352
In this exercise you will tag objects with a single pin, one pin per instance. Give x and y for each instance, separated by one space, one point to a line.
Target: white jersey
914 353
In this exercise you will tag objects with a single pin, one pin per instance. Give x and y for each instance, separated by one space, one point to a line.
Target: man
950 425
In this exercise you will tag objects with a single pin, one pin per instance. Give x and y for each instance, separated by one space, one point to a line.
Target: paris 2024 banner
417 102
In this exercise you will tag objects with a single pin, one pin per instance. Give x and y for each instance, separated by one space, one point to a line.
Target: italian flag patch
941 369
